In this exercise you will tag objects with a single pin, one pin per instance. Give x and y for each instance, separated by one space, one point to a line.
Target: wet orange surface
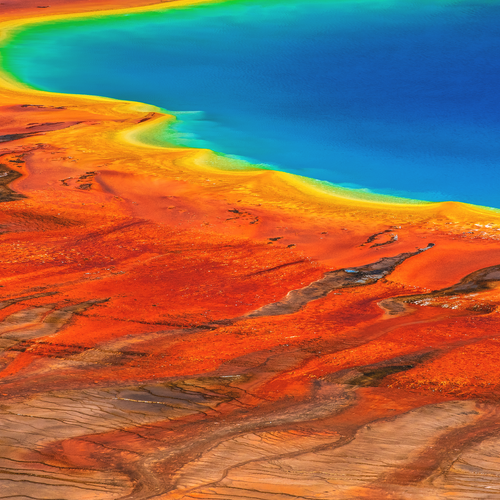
140 356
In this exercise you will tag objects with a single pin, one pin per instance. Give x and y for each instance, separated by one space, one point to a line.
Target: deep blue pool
400 97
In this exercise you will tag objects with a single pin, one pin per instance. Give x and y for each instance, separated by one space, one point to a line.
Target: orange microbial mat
171 330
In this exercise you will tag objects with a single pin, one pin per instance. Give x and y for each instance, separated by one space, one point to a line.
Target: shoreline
363 196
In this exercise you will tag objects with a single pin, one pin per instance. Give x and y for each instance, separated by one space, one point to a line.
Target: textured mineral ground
169 330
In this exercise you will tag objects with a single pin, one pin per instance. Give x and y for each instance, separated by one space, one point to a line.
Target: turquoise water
393 96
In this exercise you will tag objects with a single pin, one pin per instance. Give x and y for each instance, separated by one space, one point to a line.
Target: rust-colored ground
141 356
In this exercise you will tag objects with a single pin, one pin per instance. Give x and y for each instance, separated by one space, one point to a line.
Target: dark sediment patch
15 137
7 176
393 239
478 281
46 124
373 375
8 302
342 278
373 237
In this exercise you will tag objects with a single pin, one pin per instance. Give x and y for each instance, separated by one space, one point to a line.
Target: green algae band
391 97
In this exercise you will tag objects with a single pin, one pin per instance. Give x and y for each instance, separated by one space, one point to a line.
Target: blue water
394 96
